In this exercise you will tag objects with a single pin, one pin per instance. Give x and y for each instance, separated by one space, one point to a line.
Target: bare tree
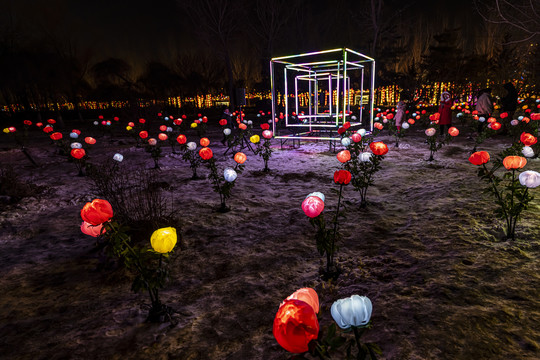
218 21
523 16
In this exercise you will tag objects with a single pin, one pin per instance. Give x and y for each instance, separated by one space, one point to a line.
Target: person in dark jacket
509 101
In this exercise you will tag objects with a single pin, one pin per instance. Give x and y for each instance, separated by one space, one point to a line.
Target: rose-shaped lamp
378 148
230 174
206 153
163 240
295 325
479 158
97 212
240 157
344 156
313 206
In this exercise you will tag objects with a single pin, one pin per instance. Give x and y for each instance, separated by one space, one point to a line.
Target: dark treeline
214 46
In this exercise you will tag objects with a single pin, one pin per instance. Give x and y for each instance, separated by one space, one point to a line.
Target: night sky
140 30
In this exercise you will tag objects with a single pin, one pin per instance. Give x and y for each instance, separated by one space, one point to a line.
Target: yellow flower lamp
163 240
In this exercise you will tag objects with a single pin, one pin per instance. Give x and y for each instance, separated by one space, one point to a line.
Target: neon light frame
314 66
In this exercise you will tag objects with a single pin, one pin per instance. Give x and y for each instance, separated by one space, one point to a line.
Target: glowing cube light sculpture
322 91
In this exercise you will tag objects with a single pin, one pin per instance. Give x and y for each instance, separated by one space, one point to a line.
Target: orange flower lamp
240 157
514 162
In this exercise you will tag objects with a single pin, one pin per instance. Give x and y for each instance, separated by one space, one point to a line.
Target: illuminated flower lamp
242 126
267 134
491 119
51 121
39 124
28 122
240 157
361 132
265 126
378 125
356 137
365 156
56 136
152 142
131 123
47 129
142 121
527 151
342 177
255 139
118 157
295 325
76 145
453 131
378 148
307 295
313 206
89 140
529 178
206 153
97 212
229 174
143 134
430 131
92 230
514 162
181 139
495 125
163 128
479 158
223 122
528 139
78 153
191 146
354 311
163 240
162 136
344 156
73 135
227 131
204 142
405 125
346 141
193 125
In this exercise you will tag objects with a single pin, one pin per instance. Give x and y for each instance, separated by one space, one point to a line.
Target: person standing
484 107
401 107
445 112
509 104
